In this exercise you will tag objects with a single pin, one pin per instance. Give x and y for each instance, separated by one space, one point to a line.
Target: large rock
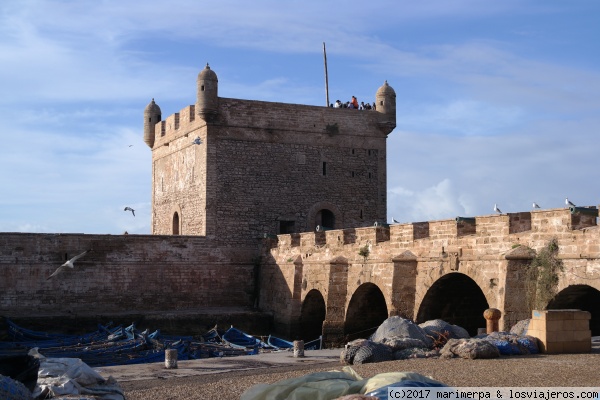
400 328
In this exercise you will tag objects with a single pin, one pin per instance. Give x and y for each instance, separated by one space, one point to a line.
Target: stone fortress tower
265 167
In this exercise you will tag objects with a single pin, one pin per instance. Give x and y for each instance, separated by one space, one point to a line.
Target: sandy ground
565 370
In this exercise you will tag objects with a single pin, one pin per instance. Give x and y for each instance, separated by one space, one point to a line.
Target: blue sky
498 102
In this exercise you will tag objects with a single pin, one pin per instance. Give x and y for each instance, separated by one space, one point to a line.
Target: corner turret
386 101
207 101
152 116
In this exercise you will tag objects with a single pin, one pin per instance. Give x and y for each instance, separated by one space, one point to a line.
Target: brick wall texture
261 163
123 274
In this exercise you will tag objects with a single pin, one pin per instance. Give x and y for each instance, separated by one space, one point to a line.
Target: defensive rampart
449 269
169 279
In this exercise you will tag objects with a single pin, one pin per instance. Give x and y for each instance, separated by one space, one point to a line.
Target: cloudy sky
498 101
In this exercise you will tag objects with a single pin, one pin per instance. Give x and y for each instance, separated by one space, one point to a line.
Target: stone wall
261 163
408 261
123 275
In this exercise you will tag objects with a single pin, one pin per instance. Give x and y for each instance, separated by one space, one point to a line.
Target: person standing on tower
354 103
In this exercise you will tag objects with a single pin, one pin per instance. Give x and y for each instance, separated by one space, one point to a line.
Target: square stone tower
234 170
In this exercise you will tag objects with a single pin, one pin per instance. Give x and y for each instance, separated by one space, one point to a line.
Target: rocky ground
541 370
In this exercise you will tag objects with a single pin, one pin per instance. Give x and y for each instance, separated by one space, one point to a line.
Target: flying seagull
497 209
569 202
197 140
396 222
130 209
535 205
69 264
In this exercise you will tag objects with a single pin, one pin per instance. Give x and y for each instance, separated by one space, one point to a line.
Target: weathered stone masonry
261 169
421 268
266 167
125 275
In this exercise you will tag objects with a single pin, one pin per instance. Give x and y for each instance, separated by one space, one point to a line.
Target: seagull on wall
130 209
497 209
396 222
197 140
569 202
535 205
69 264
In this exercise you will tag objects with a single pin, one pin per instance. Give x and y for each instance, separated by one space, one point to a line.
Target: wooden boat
278 343
21 334
240 340
316 344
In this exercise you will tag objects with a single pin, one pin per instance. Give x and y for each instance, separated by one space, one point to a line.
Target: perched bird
569 202
197 140
535 205
69 264
396 222
497 209
130 209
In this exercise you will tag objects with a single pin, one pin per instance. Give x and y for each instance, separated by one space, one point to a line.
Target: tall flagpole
326 77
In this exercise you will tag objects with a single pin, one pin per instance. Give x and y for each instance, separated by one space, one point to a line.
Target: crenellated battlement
525 228
175 125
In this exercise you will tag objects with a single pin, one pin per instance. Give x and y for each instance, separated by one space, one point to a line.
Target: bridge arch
312 315
366 310
456 299
582 297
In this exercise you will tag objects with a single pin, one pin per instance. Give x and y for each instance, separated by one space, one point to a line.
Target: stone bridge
344 283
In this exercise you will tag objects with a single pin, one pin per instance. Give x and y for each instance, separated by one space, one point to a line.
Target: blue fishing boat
241 340
316 344
278 343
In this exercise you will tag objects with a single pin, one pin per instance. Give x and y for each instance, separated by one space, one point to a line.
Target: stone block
577 347
578 325
582 336
553 347
553 325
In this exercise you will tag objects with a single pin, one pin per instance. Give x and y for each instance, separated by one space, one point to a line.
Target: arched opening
176 223
325 218
581 297
456 299
312 316
366 311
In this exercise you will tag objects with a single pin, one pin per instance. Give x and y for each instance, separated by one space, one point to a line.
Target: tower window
353 174
175 223
370 175
352 151
202 88
324 168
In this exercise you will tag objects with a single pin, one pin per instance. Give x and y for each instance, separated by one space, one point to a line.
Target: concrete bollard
171 358
298 348
492 316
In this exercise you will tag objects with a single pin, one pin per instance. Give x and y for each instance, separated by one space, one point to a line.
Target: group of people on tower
353 104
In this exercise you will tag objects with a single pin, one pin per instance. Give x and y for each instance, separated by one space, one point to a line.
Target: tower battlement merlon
480 230
178 124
